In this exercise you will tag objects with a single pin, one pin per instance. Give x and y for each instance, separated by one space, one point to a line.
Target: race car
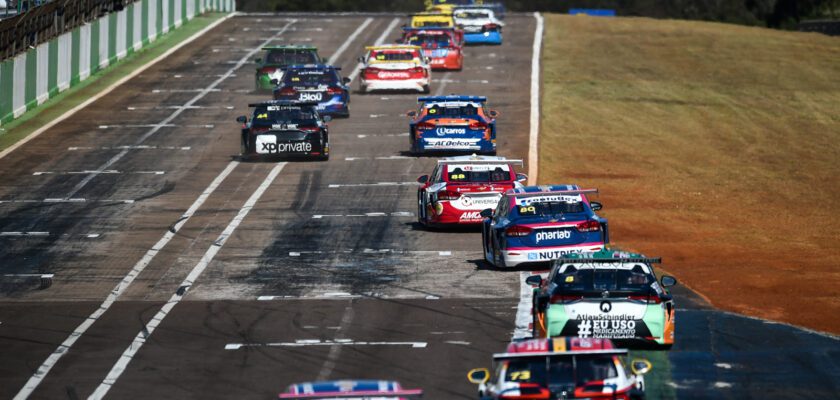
562 368
450 5
350 389
442 46
285 129
538 224
395 67
270 65
480 25
605 294
452 124
433 19
460 187
316 83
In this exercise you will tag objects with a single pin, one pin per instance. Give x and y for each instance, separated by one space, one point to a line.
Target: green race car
270 66
606 294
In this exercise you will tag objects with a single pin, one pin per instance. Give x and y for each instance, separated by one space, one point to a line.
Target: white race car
395 67
480 25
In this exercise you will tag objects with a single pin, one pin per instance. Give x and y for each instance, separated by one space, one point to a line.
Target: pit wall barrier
33 77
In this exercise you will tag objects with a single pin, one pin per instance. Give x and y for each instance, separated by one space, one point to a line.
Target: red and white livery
460 187
395 67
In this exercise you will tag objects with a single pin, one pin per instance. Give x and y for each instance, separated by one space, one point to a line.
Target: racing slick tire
420 217
426 89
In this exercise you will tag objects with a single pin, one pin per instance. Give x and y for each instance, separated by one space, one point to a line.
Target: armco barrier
31 78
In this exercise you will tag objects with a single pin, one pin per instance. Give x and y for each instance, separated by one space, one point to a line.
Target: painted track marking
367 214
316 342
334 57
104 172
379 41
377 184
122 364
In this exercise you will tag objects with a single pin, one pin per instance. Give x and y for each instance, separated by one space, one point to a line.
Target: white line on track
379 158
368 214
95 172
132 349
141 147
523 310
178 107
340 185
73 200
121 287
116 84
334 57
176 113
46 234
379 41
155 125
317 342
442 87
442 253
362 136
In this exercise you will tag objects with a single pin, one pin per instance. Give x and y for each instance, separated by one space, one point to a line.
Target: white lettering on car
553 235
450 131
311 96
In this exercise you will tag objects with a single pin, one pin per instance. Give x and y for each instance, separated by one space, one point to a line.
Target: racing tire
420 217
323 158
426 89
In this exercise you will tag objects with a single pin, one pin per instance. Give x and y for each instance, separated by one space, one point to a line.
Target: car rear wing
433 99
393 47
310 66
283 103
515 356
514 162
617 260
550 193
290 47
409 394
429 28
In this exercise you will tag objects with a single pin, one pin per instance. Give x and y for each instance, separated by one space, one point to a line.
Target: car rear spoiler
549 193
310 66
393 47
409 393
514 356
430 99
645 260
515 162
290 47
283 103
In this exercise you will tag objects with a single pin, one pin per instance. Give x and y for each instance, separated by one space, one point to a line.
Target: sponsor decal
436 61
543 235
451 142
550 255
489 202
546 199
610 329
316 96
442 130
393 74
471 216
267 144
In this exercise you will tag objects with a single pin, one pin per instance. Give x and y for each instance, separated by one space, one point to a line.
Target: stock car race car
605 294
452 124
479 24
538 224
270 66
395 67
460 187
441 45
316 83
350 389
283 128
432 19
450 5
561 368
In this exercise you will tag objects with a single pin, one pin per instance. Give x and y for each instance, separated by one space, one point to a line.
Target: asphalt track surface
326 277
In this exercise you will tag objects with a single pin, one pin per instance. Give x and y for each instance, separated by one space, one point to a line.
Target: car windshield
310 77
562 371
429 41
284 114
584 281
285 57
550 208
495 174
393 55
452 111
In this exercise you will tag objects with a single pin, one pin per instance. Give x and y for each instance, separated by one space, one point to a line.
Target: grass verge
715 146
21 127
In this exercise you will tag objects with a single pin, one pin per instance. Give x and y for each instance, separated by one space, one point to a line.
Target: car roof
558 346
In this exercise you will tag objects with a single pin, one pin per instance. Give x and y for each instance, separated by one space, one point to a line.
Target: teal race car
605 294
270 65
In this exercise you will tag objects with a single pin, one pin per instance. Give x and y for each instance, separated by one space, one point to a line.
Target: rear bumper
490 37
428 145
447 63
391 84
518 256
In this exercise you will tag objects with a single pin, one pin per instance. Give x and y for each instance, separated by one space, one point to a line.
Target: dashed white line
97 172
362 136
367 214
340 185
379 158
140 147
73 200
317 342
47 234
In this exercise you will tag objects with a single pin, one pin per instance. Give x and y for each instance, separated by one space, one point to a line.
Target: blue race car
350 389
316 83
538 224
453 124
479 24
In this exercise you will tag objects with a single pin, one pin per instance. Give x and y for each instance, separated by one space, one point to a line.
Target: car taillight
425 126
259 130
477 125
310 129
649 299
417 70
518 231
335 90
287 91
559 298
448 195
268 70
589 226
488 27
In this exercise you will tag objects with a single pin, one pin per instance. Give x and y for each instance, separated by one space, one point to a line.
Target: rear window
452 111
285 57
471 14
284 114
393 55
430 41
598 280
310 77
478 174
561 371
550 208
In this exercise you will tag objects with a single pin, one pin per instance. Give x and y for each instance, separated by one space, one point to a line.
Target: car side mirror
361 60
640 366
428 60
668 281
493 113
423 179
345 80
486 213
411 114
259 60
243 119
521 177
274 82
534 280
596 206
327 118
479 376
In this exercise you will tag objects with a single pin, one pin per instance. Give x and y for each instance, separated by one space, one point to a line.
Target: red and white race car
444 46
460 187
395 67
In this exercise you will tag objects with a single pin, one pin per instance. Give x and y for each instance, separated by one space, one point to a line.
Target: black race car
285 129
